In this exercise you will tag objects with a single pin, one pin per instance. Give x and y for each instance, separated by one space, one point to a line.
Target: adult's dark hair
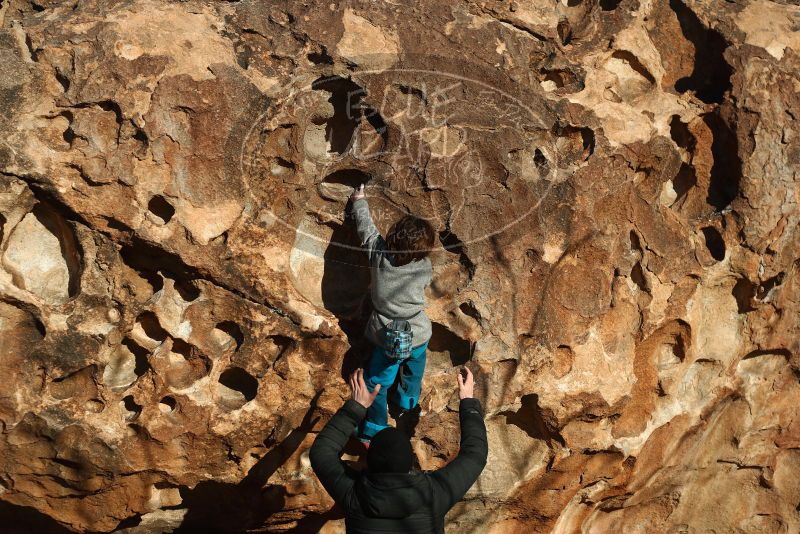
410 239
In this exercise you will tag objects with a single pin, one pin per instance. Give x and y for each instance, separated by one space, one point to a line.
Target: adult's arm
326 451
453 480
368 233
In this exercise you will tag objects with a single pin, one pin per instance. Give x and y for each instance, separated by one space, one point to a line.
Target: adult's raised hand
361 393
466 383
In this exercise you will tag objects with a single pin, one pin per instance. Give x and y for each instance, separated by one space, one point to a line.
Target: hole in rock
277 345
141 364
140 135
714 242
574 145
638 277
555 77
188 351
609 5
151 327
63 80
233 331
153 278
276 351
127 363
244 53
69 464
529 418
670 343
711 76
726 171
564 30
71 251
43 255
133 259
469 309
743 291
338 186
33 51
186 365
683 181
564 77
636 243
634 63
111 107
587 136
39 326
349 177
786 353
542 165
161 209
238 379
167 404
2 226
445 347
146 257
130 409
346 98
451 243
376 121
187 290
769 284
679 131
68 134
183 348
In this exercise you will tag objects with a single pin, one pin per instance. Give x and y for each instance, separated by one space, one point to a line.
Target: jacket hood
417 266
392 495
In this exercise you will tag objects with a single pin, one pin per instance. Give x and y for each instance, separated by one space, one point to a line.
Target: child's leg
381 370
411 373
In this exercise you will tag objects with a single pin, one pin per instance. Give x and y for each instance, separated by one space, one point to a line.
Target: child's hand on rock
358 193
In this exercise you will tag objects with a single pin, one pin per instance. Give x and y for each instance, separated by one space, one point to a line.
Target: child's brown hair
410 239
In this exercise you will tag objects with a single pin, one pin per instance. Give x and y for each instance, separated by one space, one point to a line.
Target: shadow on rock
24 520
223 507
345 292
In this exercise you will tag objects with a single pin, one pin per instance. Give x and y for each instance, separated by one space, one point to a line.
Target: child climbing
398 327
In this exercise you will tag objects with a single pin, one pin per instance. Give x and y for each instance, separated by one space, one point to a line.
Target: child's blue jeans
382 370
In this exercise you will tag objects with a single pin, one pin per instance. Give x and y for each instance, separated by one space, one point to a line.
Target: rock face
615 188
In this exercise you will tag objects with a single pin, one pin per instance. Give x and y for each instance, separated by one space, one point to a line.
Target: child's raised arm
368 233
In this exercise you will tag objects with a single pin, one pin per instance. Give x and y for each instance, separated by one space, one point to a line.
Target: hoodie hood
392 495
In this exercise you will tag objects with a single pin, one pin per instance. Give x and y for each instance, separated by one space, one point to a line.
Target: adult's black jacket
411 502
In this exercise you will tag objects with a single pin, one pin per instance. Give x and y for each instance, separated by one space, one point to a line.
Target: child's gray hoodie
397 292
